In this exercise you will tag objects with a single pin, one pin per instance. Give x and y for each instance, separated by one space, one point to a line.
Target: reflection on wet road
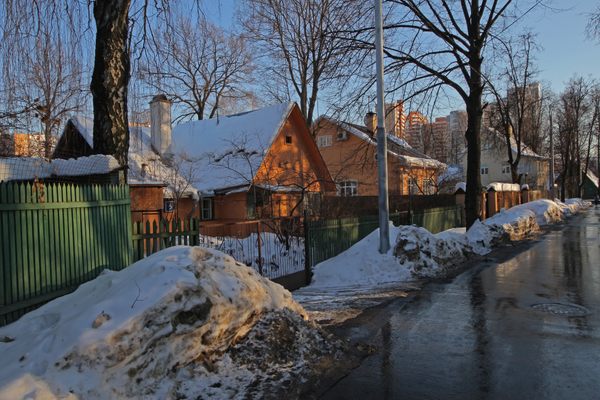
525 328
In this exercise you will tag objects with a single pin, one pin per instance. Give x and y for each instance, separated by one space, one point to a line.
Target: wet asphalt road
508 328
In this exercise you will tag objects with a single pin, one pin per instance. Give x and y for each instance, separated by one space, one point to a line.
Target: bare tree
198 65
577 119
307 45
41 68
518 114
447 49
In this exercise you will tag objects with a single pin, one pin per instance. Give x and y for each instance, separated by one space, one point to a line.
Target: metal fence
274 248
57 236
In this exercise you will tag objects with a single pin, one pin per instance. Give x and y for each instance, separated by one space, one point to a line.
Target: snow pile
361 264
572 206
174 325
513 224
418 253
428 255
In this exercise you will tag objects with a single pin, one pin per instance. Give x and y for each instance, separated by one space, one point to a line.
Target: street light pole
551 172
384 228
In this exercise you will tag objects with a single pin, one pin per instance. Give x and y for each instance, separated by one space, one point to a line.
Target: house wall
188 208
354 159
297 163
231 206
146 203
494 160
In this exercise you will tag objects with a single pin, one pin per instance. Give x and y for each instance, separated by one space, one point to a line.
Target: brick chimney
160 123
371 121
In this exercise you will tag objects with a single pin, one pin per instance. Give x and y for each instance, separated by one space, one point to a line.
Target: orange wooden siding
354 159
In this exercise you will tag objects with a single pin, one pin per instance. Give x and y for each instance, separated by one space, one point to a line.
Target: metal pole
551 173
384 228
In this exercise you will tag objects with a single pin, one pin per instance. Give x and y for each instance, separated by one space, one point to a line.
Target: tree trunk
514 173
473 136
473 195
110 79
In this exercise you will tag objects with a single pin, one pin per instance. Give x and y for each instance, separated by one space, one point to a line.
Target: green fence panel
438 219
55 237
328 238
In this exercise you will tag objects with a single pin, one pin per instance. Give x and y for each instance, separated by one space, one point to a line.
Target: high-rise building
457 127
395 120
439 144
415 123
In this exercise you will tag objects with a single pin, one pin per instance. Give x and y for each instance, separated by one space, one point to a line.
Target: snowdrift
174 325
417 253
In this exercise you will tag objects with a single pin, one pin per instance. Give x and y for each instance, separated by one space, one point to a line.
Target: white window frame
324 141
506 169
347 188
484 170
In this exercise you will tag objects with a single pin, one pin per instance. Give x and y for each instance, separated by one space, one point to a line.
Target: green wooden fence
148 238
328 238
55 237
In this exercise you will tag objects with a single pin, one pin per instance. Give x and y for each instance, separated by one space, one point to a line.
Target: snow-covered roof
229 149
29 168
140 154
397 147
526 151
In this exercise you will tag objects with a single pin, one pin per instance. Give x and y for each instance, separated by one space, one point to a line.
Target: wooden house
350 152
257 164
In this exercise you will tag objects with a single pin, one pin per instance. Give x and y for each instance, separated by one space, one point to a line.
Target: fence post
195 232
260 266
307 263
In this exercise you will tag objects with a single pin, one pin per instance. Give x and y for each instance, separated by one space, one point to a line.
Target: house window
206 208
347 188
506 169
484 170
288 139
169 205
324 141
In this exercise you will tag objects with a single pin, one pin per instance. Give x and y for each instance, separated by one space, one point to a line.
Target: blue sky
565 49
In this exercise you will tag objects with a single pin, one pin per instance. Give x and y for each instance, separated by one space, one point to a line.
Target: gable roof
397 147
526 151
229 150
140 153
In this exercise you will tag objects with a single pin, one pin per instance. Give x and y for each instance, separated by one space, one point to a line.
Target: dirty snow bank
174 325
418 253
